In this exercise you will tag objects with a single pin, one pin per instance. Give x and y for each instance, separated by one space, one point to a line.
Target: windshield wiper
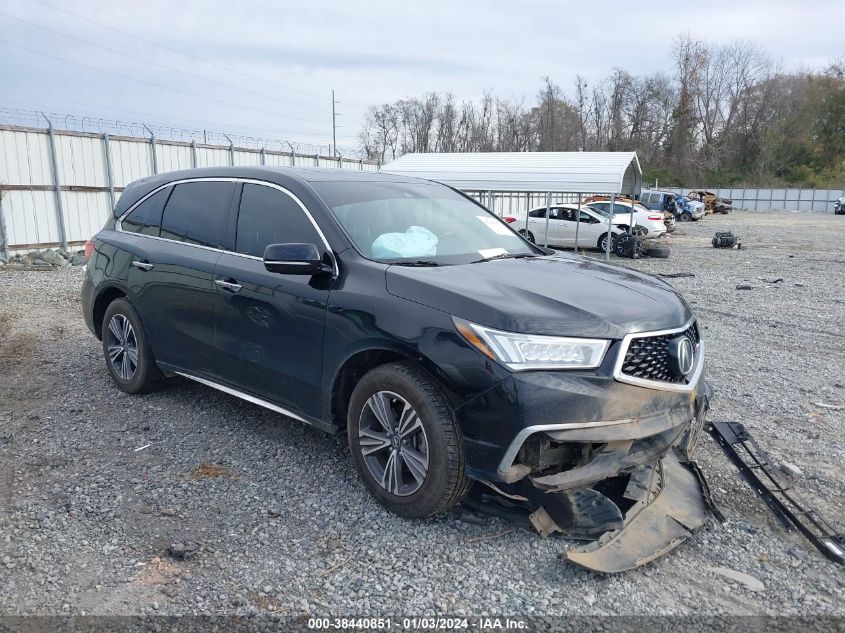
504 256
417 262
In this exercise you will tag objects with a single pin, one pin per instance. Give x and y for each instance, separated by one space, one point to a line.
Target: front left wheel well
352 371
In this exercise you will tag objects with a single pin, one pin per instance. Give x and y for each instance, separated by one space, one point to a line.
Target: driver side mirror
294 259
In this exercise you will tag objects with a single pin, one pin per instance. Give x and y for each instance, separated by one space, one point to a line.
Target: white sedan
651 221
592 226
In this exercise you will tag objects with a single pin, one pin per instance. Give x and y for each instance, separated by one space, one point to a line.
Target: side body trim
244 396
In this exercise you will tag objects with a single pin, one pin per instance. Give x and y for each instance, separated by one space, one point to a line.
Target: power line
156 85
160 65
178 52
93 123
41 97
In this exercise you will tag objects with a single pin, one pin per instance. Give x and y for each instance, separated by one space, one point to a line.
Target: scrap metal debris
726 239
750 459
748 580
675 275
832 407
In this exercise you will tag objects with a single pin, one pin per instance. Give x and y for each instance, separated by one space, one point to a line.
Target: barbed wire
121 127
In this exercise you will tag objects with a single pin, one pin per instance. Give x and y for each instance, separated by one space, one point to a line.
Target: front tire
126 348
528 235
686 216
405 442
602 243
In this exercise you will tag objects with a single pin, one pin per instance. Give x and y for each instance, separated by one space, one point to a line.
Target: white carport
558 175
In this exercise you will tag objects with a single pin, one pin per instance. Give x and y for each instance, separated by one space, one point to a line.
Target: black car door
171 275
270 326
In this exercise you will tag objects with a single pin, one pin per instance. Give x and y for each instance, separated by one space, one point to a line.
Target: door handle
143 265
230 286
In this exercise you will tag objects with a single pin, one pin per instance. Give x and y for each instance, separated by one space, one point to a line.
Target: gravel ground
233 509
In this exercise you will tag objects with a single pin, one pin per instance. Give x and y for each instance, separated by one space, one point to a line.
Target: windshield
420 224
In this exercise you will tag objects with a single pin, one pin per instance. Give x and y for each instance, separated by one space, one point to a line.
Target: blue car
683 208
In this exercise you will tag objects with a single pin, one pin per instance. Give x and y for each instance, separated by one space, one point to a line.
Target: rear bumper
654 231
87 301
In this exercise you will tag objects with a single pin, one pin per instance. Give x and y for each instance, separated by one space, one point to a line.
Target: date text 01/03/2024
431 623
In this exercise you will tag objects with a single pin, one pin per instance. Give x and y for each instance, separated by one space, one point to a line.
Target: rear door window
269 216
198 213
146 217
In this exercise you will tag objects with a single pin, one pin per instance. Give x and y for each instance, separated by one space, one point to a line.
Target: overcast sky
269 67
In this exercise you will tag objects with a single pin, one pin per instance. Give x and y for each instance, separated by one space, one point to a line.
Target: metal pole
527 211
4 236
231 150
292 154
577 222
152 149
334 126
316 160
109 174
548 213
263 156
54 163
609 227
193 153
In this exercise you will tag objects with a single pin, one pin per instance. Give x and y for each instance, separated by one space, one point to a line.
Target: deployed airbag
415 242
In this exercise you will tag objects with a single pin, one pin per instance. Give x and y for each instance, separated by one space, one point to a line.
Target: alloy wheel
393 443
122 347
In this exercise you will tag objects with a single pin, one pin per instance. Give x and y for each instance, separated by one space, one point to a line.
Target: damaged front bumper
667 506
625 484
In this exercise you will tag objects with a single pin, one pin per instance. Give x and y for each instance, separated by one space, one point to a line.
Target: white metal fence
746 198
755 199
58 187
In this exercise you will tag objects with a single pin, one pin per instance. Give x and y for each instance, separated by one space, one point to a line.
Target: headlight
533 351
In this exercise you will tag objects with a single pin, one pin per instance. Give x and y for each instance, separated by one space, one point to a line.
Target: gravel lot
268 516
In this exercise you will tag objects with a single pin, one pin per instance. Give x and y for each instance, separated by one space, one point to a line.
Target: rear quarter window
198 213
146 217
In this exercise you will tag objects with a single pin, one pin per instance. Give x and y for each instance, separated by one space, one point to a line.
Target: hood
564 295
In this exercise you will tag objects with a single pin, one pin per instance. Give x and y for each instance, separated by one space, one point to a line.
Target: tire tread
457 483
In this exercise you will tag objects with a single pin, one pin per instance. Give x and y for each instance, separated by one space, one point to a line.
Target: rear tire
126 348
528 235
405 442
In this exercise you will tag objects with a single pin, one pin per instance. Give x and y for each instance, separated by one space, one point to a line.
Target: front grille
648 357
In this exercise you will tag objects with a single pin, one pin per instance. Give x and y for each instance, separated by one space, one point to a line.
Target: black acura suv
403 313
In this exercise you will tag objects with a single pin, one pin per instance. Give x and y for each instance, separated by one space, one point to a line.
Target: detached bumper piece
757 469
668 506
630 519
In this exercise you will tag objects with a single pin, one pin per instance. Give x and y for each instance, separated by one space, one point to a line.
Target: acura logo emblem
680 349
